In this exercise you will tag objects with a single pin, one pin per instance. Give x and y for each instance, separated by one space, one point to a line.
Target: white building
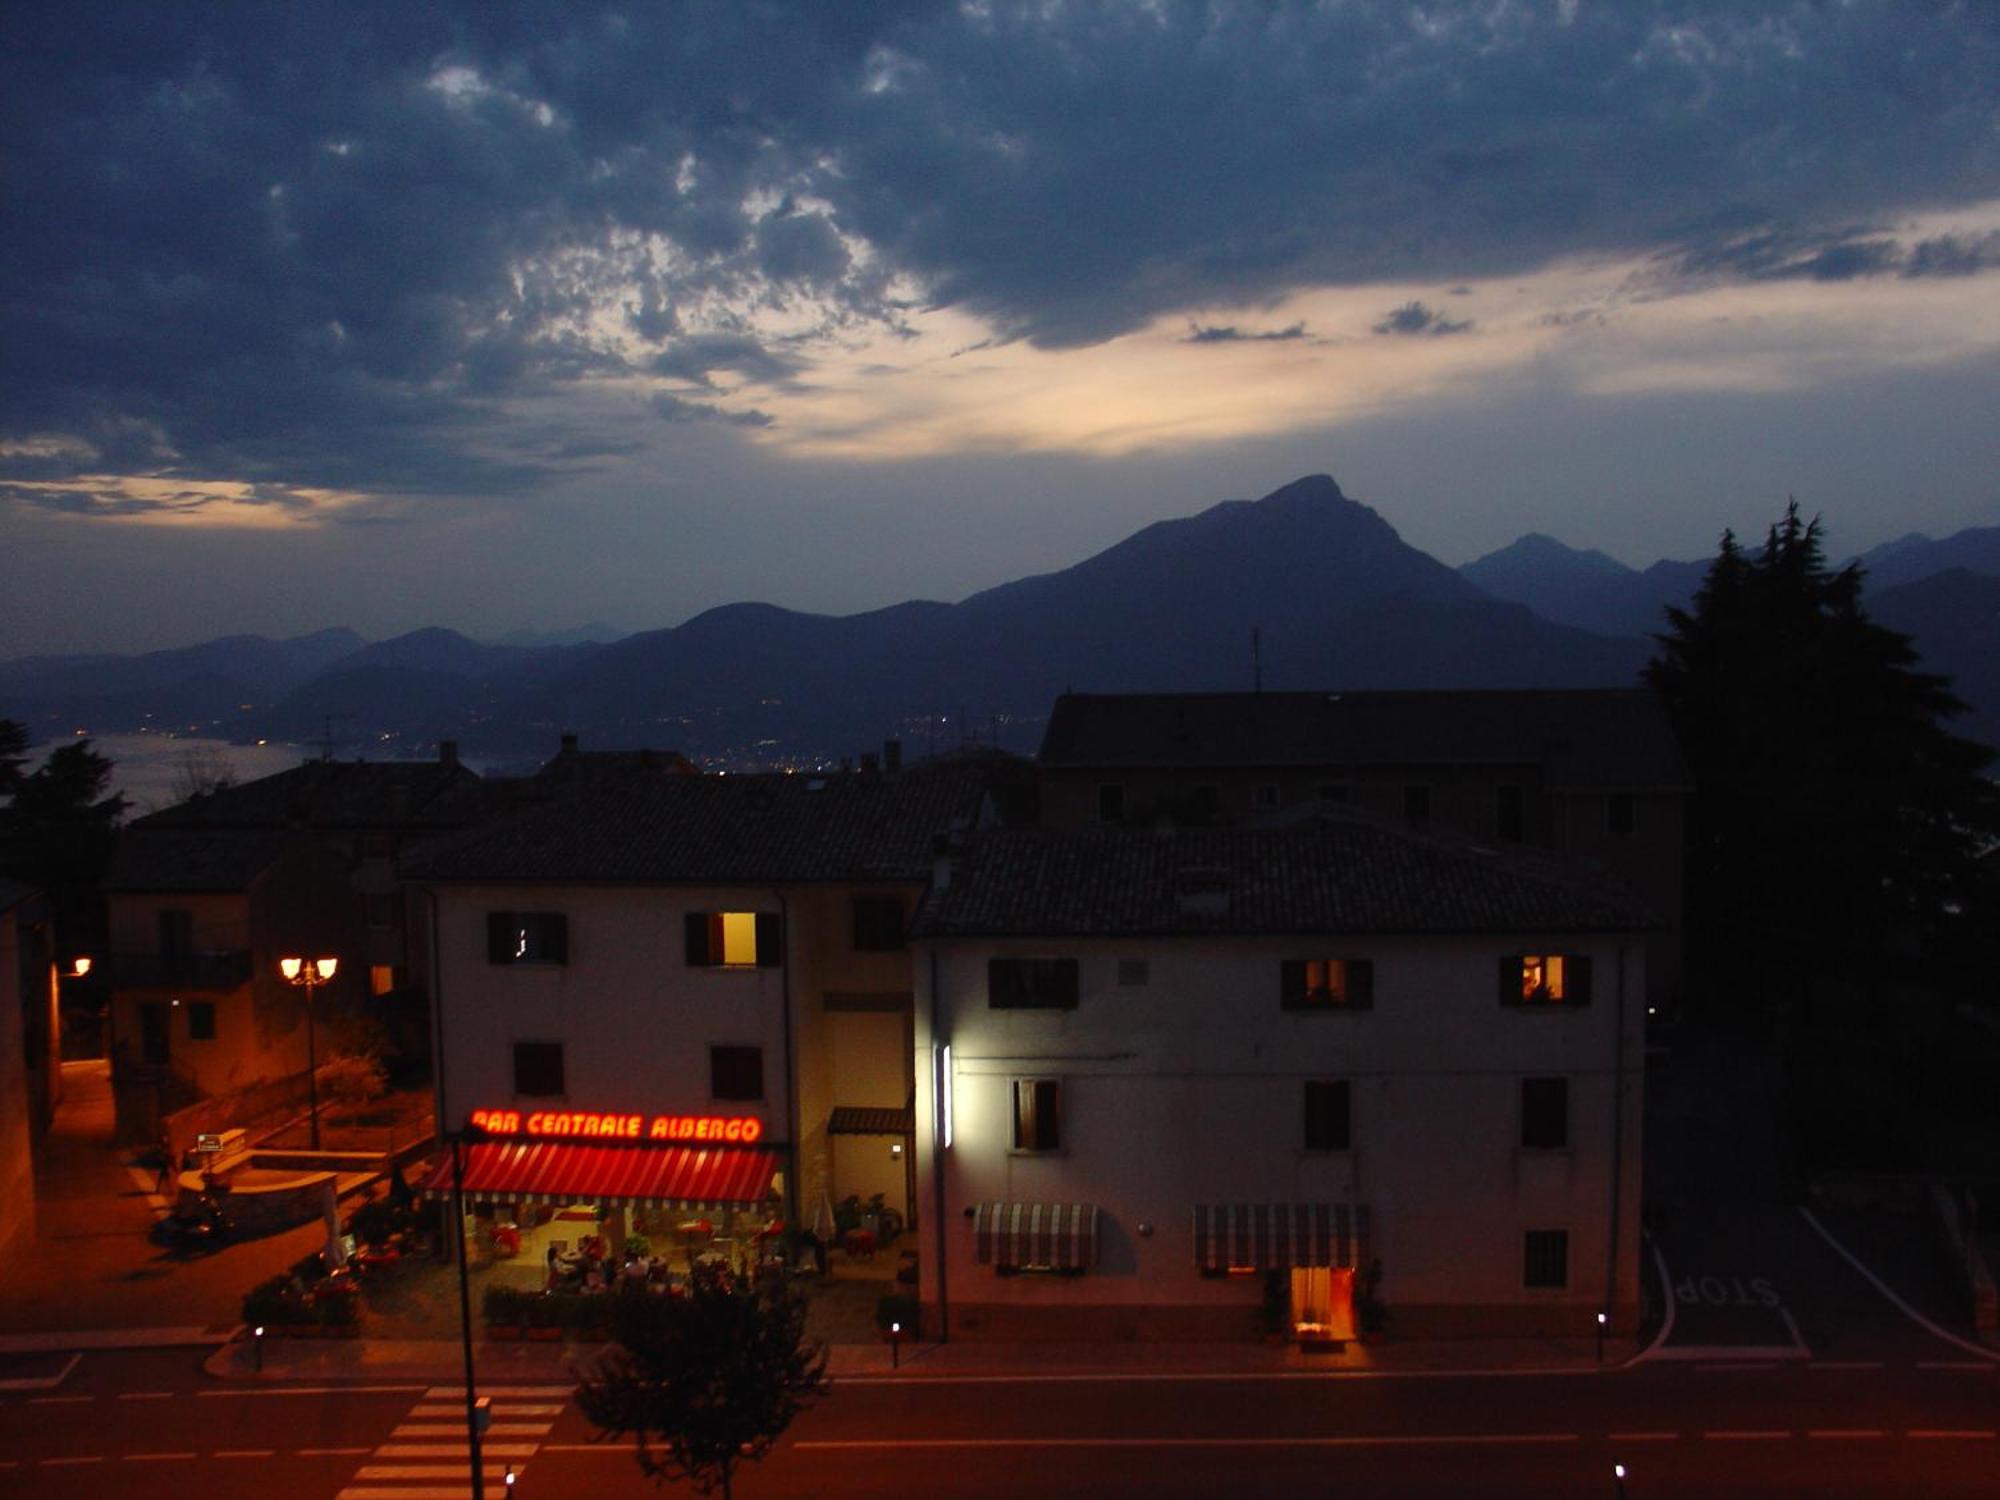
1152 1066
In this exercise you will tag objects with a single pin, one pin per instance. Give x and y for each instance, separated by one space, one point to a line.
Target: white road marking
1941 1434
244 1452
59 1400
431 1471
500 1409
1883 1287
1953 1364
1786 1313
497 1392
1732 1352
448 1430
408 1492
58 1463
455 1450
1845 1364
1740 1364
1667 1322
330 1452
1507 1439
316 1390
139 1458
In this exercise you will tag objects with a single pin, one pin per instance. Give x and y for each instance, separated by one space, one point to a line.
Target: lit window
734 939
381 978
527 937
1037 1114
1545 979
1546 1257
1326 983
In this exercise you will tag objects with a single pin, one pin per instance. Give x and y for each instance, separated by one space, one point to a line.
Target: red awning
640 1176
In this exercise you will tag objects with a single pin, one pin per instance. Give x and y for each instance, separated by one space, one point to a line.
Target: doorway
1323 1304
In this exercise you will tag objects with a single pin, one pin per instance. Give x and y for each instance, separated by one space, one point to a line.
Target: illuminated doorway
1323 1304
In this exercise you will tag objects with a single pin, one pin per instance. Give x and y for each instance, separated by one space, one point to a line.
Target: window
735 939
201 1020
1031 983
1134 973
1037 1114
527 937
1544 1114
381 979
1545 979
384 911
1265 795
1621 815
1326 983
736 1072
1110 803
176 934
1334 791
1329 1123
538 1069
1417 804
1507 813
1546 1259
878 924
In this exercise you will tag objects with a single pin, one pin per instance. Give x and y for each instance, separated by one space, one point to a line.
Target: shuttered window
1031 983
1326 983
527 937
734 939
1545 979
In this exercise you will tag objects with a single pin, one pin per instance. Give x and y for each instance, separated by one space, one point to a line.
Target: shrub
637 1245
353 1078
506 1305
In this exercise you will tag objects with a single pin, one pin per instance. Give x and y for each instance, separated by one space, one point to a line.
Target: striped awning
637 1176
1276 1236
868 1119
1035 1236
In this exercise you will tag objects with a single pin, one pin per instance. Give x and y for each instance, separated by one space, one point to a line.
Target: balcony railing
193 971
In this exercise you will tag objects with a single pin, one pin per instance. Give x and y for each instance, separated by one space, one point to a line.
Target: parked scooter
200 1225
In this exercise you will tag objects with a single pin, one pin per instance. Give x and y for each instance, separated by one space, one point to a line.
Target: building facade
1173 1082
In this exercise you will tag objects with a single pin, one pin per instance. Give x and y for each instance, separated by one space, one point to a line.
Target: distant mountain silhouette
1336 598
596 633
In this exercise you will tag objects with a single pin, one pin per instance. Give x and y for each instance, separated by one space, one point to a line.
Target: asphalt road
152 1424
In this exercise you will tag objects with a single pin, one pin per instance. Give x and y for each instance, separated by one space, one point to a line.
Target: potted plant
1274 1308
1368 1308
501 1306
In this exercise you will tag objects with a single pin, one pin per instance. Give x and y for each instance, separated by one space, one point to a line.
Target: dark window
1110 803
201 1020
1544 1113
375 846
1507 813
1621 815
1329 1123
176 935
1417 804
878 924
1031 983
1326 983
1266 795
735 939
384 911
736 1072
527 937
538 1069
1545 979
1546 1258
1334 791
1134 972
1037 1114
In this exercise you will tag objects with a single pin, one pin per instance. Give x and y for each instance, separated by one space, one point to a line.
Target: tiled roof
1612 737
1331 875
150 858
716 830
329 794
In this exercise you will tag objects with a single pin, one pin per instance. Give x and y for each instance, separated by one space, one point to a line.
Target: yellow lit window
1542 977
381 978
739 937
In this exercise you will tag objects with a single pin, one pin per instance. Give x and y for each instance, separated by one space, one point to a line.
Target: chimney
569 744
868 766
892 756
448 754
942 849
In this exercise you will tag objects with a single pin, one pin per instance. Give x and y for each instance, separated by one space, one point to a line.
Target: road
153 1421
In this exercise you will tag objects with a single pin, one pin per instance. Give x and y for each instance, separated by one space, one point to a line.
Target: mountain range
1303 589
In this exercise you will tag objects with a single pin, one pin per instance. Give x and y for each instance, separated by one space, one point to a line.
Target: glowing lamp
79 966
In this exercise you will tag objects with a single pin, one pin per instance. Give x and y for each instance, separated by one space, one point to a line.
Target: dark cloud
1200 333
1949 255
328 245
85 502
677 409
1415 318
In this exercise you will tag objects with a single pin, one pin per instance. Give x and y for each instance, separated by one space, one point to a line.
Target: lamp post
310 973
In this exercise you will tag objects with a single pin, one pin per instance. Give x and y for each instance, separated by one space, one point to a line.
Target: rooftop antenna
326 739
1256 659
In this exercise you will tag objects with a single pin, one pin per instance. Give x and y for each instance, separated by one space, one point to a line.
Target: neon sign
583 1125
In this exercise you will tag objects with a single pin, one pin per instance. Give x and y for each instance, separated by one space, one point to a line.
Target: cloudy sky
498 316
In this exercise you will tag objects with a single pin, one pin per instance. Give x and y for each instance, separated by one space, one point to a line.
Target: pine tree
1836 822
56 827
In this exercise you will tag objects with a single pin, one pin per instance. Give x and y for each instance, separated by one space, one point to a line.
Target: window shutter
1576 976
1291 983
770 940
696 927
1063 982
1003 983
555 938
1361 982
500 937
1510 979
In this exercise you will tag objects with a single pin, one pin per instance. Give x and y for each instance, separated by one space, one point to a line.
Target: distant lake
153 770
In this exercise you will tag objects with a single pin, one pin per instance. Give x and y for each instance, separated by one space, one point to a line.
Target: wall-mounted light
944 1093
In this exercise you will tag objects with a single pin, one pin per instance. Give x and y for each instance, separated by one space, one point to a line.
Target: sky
515 316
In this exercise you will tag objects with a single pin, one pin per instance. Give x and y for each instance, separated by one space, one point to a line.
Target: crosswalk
427 1457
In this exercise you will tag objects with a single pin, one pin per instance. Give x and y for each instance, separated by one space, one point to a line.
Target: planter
508 1331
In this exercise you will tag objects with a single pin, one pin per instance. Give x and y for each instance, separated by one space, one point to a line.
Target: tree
1836 822
56 829
703 1381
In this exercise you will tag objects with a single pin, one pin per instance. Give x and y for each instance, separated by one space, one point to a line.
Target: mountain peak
1310 487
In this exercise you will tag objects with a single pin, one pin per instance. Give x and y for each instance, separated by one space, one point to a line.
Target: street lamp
78 967
310 973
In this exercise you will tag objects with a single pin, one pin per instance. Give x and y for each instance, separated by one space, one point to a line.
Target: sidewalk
504 1362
